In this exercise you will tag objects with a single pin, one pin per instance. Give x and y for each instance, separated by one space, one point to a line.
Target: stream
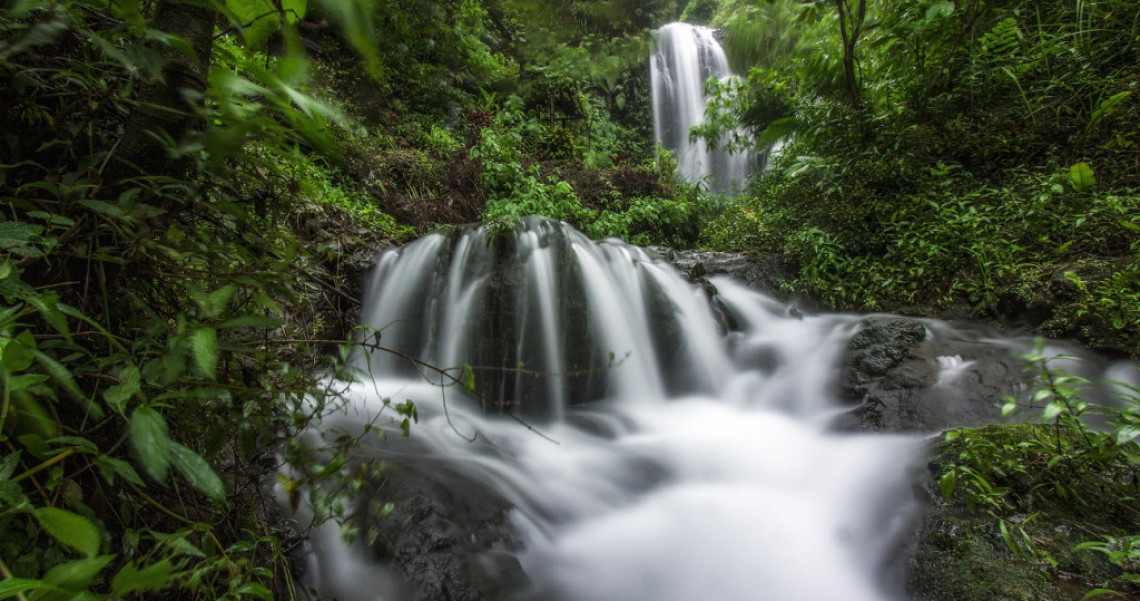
619 434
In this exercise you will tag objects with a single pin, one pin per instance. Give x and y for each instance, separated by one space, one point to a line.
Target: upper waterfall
687 56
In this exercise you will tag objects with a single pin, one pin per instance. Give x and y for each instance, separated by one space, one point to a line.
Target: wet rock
763 273
447 537
877 349
908 379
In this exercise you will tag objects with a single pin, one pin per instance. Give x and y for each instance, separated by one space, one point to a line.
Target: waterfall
605 430
687 56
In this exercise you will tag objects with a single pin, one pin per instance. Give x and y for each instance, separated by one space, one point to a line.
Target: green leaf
1105 108
130 384
294 10
212 304
1082 177
69 528
946 484
254 589
102 207
1052 410
76 575
14 586
258 19
151 578
62 375
9 464
109 467
1096 592
15 355
939 9
149 437
468 378
204 344
179 544
1125 434
251 321
197 471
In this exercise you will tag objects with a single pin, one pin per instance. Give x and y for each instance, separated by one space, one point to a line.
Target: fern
1000 44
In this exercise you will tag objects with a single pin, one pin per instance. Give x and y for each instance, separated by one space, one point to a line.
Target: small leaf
1082 177
69 528
151 578
130 384
946 484
197 471
251 321
204 344
254 589
468 378
1096 592
62 375
1008 408
151 441
1125 434
1052 410
212 304
9 464
109 467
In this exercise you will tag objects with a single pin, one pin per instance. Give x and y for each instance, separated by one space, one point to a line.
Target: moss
1046 508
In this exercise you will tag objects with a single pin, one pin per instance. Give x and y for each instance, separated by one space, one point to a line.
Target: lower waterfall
618 434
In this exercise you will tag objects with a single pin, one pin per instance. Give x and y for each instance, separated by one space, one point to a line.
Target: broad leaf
129 385
1082 177
197 471
204 344
258 19
151 578
14 586
76 575
294 9
69 528
151 441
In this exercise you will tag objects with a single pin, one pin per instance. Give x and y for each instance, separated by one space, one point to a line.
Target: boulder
907 377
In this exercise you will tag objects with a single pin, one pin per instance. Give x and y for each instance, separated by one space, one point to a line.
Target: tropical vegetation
190 189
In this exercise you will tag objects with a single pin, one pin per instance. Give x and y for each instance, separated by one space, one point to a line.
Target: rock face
446 536
908 377
760 273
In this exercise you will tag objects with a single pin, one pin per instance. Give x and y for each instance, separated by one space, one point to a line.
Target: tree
851 19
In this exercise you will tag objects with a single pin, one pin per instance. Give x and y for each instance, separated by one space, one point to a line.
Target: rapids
641 437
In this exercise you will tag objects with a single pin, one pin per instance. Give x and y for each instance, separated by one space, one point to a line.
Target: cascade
687 56
628 435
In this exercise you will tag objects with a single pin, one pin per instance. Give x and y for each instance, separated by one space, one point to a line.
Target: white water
687 56
702 468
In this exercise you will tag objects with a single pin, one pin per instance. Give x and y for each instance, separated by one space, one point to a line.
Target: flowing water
648 438
686 57
673 448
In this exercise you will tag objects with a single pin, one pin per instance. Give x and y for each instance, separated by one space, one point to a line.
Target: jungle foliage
981 154
1056 493
184 187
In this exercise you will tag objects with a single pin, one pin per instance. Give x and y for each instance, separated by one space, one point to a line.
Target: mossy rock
1045 512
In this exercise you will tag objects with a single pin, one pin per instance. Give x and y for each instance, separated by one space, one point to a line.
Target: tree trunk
850 28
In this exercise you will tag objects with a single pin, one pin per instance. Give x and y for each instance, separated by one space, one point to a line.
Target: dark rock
763 273
875 350
447 536
907 382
